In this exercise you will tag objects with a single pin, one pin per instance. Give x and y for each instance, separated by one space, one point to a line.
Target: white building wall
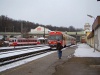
97 38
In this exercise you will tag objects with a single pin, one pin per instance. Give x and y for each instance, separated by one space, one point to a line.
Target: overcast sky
52 12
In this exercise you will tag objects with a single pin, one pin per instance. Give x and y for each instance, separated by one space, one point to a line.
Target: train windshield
55 37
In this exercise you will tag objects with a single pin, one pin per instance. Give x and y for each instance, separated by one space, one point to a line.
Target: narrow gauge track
11 59
17 48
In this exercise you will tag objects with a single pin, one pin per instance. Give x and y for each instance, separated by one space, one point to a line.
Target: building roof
39 30
96 23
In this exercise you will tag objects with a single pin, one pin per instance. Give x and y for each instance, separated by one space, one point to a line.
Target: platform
42 66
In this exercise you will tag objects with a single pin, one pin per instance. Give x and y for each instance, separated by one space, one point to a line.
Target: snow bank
84 50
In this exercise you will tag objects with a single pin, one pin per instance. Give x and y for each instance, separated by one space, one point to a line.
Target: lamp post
76 37
91 16
94 29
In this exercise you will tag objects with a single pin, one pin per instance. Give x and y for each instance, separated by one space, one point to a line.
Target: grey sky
52 12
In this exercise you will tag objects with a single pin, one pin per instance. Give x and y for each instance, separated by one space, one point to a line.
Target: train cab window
55 37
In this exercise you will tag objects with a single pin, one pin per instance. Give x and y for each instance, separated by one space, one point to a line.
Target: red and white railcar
23 41
65 39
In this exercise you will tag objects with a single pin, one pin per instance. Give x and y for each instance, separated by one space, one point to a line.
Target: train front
53 37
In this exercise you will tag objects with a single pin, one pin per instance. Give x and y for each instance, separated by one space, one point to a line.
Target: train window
23 40
18 40
35 40
28 40
63 37
12 40
55 37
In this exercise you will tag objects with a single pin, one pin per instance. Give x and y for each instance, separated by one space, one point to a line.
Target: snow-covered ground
85 50
22 51
18 63
11 47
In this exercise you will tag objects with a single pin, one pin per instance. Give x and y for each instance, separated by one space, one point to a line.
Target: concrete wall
97 38
90 41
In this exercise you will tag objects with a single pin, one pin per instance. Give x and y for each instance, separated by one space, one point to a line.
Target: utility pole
76 37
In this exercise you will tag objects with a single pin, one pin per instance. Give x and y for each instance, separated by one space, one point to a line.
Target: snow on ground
22 51
85 50
18 63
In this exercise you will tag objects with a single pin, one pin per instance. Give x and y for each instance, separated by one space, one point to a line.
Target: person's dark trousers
59 54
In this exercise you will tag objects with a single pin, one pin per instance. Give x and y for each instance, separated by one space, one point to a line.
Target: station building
94 36
39 32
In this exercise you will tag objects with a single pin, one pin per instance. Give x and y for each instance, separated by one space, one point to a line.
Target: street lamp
94 29
91 16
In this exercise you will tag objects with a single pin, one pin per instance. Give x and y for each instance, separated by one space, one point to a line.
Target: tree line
10 25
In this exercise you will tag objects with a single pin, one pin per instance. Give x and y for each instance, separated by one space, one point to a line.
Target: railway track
18 48
14 58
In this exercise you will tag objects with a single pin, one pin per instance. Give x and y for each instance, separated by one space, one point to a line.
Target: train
65 40
22 41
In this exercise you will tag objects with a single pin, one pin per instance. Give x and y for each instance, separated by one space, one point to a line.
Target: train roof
59 32
20 38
